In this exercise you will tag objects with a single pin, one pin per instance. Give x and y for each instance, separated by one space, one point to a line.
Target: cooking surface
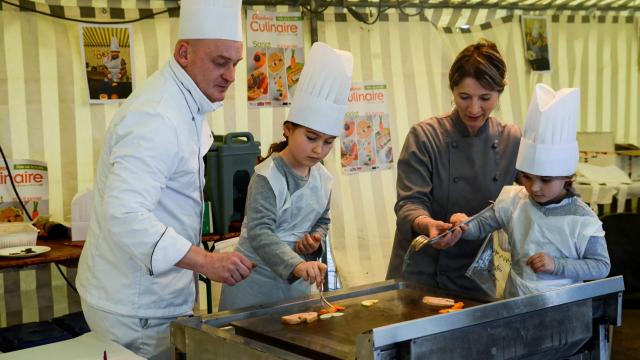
336 337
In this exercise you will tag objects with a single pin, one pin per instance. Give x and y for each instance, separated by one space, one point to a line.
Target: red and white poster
365 143
275 57
32 183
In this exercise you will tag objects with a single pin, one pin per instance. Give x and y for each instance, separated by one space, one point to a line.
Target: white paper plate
21 251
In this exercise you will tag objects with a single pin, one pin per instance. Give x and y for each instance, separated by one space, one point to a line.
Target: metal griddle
335 338
570 322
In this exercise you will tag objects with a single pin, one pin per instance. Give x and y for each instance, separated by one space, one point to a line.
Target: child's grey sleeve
595 263
261 215
481 226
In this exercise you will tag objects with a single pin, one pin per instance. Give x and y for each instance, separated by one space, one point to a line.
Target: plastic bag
492 264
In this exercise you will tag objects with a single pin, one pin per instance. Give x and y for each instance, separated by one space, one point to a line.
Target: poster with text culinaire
365 142
275 57
32 184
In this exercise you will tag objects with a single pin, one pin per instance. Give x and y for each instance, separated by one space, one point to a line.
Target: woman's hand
541 262
432 228
311 271
457 218
308 244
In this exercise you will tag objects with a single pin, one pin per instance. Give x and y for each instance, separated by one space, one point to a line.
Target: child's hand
457 218
308 244
541 262
311 271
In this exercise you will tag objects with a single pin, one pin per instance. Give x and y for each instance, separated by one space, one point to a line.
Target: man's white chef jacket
147 200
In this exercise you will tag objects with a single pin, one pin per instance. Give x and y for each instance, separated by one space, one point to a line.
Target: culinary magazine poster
275 57
365 142
536 35
108 62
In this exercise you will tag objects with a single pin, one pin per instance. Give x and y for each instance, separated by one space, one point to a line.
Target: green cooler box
228 168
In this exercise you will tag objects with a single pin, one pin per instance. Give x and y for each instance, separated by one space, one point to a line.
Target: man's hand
541 262
311 271
308 244
228 267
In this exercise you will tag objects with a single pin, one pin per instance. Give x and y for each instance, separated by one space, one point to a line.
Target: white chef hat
535 32
115 46
210 19
548 146
320 100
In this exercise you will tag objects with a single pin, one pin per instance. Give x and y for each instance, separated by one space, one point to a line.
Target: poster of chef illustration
275 57
108 60
365 142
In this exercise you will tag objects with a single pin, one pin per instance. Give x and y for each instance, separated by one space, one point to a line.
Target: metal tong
423 240
324 300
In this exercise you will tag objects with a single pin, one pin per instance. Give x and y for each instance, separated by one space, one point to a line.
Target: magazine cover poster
536 40
365 142
108 60
275 57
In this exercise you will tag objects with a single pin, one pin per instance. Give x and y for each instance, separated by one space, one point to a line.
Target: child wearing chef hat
286 216
115 70
555 239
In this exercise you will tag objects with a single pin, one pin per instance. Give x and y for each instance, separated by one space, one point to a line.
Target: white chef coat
147 200
114 66
531 231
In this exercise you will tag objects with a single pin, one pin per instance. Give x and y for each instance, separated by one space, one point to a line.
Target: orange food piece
457 306
446 311
339 308
327 311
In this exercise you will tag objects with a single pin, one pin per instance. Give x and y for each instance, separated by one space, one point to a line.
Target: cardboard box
17 234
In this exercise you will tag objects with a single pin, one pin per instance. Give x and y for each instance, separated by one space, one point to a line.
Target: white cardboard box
17 234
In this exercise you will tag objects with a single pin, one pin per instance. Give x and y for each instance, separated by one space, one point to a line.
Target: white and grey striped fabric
413 54
45 114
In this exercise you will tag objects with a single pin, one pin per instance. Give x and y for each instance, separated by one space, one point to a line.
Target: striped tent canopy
94 36
512 4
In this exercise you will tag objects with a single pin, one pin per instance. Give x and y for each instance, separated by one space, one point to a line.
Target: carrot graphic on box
293 58
35 213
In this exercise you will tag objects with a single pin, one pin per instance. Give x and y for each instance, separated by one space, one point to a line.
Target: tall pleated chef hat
210 19
320 100
548 146
115 46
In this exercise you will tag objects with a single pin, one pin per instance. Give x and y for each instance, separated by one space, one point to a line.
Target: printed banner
275 57
536 34
31 180
365 143
108 60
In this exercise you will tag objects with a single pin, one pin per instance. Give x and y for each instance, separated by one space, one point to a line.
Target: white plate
21 251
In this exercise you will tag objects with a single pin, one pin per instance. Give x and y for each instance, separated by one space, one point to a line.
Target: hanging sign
107 55
275 57
365 143
536 41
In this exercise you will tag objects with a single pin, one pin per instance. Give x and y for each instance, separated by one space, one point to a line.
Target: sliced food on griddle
299 318
438 302
368 303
